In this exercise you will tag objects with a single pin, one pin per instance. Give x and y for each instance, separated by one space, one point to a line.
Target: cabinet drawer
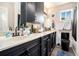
44 37
34 50
32 43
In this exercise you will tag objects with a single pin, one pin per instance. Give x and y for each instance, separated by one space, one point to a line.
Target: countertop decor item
8 35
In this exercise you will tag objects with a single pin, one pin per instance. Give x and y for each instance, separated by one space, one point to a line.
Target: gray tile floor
59 48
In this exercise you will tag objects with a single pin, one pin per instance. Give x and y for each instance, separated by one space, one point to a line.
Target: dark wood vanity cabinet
33 48
15 51
54 39
34 51
42 46
51 42
49 47
48 43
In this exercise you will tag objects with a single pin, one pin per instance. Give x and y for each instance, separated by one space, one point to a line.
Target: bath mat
63 53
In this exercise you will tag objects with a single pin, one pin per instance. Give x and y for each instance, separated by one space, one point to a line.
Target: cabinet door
43 52
51 38
44 42
33 48
49 46
44 45
54 39
34 51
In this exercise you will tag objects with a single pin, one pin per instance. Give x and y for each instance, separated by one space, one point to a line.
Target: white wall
3 19
49 10
77 43
17 11
11 12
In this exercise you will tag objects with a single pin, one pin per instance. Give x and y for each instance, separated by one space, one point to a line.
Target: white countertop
14 41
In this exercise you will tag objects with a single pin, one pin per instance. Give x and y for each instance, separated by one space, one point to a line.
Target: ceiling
53 4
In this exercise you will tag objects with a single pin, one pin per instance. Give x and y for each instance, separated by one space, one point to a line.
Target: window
66 14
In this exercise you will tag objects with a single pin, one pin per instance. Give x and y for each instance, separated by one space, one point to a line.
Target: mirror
31 12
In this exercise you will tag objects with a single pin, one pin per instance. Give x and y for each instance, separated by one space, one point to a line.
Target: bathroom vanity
36 44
